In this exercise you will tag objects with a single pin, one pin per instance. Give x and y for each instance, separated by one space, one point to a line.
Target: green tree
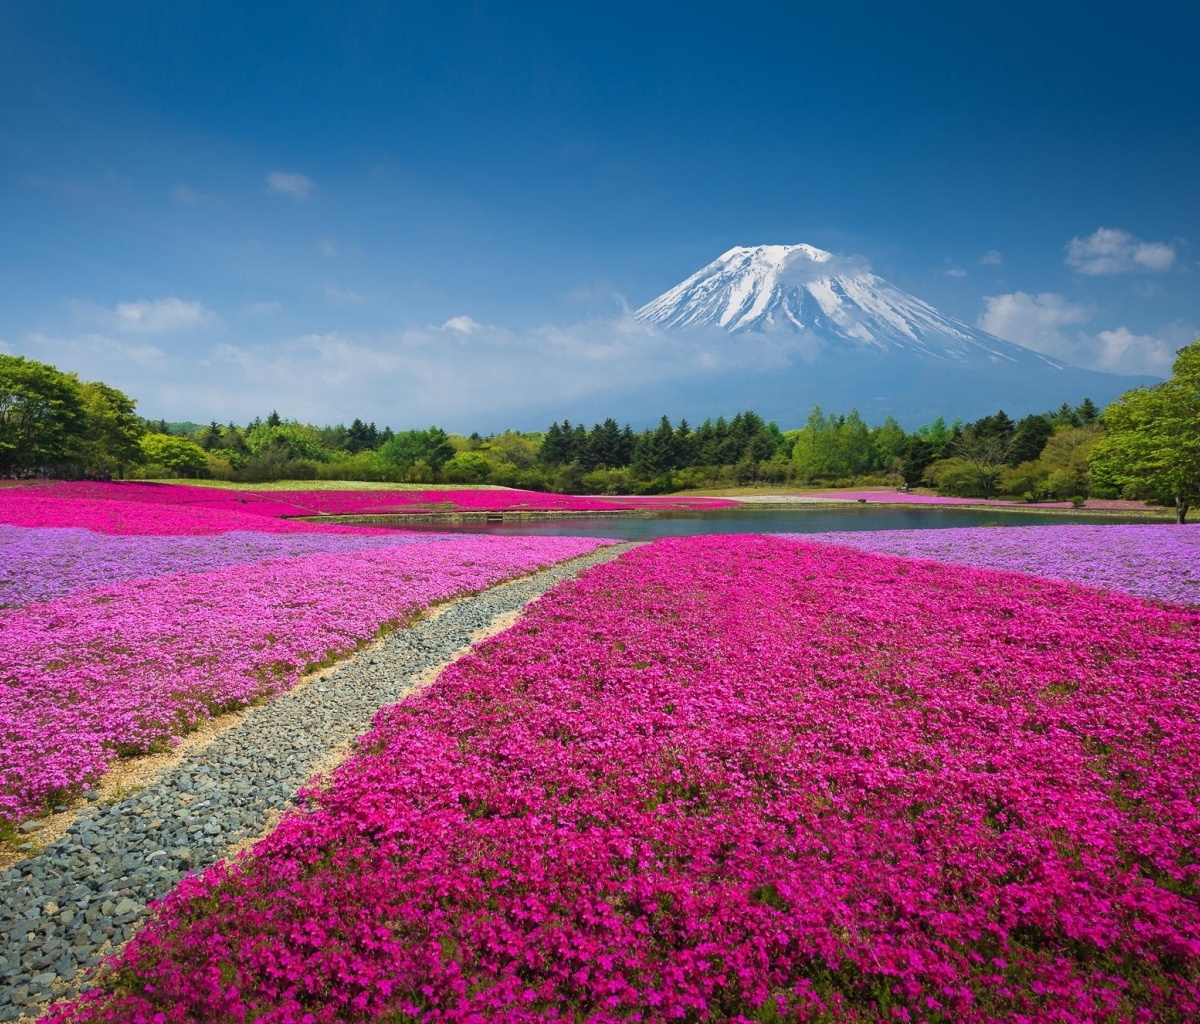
111 429
286 441
888 441
1151 441
177 455
985 451
467 468
41 415
409 447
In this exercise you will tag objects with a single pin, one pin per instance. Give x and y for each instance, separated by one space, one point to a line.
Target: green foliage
431 447
177 455
41 415
831 447
955 476
467 468
286 441
1151 444
109 440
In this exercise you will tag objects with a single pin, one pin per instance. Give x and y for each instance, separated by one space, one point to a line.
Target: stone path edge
67 907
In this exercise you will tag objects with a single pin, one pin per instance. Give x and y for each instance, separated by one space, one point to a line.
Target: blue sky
227 208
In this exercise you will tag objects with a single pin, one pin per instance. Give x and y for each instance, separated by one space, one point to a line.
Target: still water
751 520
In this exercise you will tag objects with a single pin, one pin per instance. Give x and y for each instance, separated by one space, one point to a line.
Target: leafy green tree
888 441
512 448
177 455
111 430
467 468
815 450
41 415
407 448
1151 441
986 454
286 441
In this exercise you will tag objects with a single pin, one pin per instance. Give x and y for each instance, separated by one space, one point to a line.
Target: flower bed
277 504
135 513
1154 561
126 667
41 564
728 778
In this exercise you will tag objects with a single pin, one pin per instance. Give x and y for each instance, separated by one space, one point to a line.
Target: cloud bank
1113 251
148 316
1053 325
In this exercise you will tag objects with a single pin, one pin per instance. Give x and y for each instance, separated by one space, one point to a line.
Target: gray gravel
64 909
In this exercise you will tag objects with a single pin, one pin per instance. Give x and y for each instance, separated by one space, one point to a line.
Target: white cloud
1112 251
148 316
956 272
185 195
261 308
1050 324
991 258
328 249
344 296
461 324
297 186
462 372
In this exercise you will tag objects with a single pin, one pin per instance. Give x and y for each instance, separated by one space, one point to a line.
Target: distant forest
1039 457
53 424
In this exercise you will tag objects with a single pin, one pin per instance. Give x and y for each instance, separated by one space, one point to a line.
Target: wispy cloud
461 372
185 195
1113 251
91 354
148 316
956 272
1051 324
261 308
344 296
63 186
297 186
991 258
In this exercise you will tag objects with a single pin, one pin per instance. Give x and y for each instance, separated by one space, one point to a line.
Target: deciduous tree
41 415
1151 442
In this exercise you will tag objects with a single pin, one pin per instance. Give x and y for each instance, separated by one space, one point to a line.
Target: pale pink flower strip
130 665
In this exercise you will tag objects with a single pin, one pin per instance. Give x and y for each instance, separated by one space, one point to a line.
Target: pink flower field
117 644
1157 561
736 778
164 508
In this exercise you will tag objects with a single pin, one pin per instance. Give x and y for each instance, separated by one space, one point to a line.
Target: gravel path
64 909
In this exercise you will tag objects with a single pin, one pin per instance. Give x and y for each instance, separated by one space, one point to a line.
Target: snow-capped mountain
801 288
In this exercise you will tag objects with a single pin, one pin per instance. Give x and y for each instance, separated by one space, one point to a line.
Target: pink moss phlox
20 505
40 564
1158 561
728 776
131 665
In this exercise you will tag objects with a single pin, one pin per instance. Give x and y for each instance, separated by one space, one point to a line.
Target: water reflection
752 520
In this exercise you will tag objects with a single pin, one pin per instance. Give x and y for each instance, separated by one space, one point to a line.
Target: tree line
1145 445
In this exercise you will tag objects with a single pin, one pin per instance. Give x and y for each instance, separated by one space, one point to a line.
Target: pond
754 520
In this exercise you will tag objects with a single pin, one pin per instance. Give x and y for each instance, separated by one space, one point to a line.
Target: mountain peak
774 255
834 300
